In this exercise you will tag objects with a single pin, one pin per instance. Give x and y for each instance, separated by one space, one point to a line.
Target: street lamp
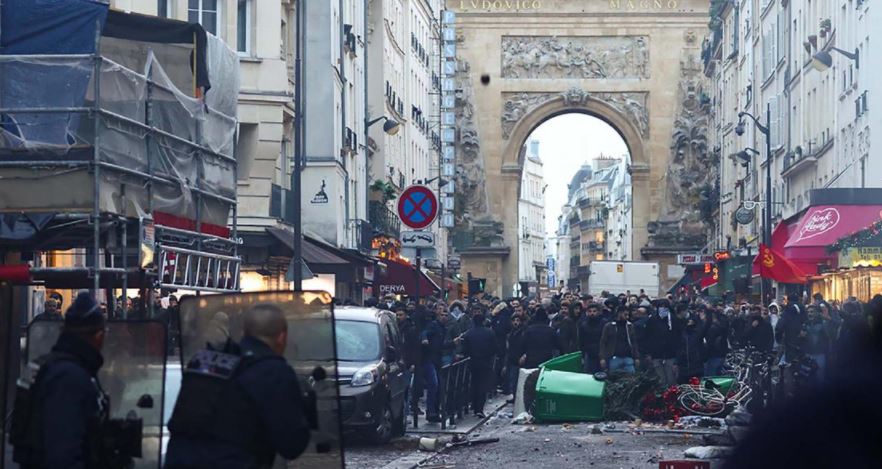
391 126
823 60
767 218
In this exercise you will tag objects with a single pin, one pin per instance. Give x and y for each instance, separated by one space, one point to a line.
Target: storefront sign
861 257
694 259
818 223
721 256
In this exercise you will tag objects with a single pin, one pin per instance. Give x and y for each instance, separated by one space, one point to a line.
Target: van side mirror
391 354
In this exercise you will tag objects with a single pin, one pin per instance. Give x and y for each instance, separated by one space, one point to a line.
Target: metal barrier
454 393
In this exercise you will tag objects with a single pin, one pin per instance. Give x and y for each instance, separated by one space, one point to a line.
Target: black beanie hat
84 312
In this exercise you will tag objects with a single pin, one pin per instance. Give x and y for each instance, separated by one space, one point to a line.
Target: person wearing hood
67 396
690 351
540 342
619 350
660 346
759 333
774 315
460 321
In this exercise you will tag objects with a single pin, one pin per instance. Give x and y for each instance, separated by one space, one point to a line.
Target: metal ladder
199 271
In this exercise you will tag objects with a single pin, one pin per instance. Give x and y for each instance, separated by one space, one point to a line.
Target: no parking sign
417 207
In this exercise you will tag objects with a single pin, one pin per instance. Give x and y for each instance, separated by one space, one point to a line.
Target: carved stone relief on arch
632 105
577 57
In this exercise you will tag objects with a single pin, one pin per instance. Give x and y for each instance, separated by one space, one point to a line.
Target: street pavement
532 446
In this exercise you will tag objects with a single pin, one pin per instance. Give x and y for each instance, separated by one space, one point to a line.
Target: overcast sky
565 143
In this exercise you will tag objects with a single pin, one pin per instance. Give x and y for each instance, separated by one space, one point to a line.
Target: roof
358 313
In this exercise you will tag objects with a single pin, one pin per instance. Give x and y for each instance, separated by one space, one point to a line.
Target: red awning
823 225
400 279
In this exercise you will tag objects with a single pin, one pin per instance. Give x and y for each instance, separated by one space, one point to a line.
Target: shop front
400 279
859 272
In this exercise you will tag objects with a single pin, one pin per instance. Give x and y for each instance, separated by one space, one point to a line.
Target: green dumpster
564 393
724 382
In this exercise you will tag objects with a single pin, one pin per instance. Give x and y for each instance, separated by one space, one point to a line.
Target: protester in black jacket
514 344
759 333
479 345
789 330
567 330
689 353
663 332
590 329
715 342
540 342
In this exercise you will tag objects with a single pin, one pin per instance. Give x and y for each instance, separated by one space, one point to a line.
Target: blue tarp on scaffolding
50 26
46 27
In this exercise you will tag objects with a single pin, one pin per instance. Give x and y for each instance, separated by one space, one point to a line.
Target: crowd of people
678 337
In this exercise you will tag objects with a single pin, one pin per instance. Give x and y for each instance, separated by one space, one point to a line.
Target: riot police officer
61 408
242 421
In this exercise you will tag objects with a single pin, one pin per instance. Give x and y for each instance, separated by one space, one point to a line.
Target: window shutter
773 127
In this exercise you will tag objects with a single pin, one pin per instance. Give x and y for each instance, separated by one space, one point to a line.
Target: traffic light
476 285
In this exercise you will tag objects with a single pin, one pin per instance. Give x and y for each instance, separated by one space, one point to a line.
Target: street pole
297 254
767 228
419 265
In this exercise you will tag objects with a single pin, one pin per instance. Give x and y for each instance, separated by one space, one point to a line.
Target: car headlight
364 377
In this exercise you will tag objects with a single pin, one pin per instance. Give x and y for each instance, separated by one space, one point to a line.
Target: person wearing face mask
662 337
689 353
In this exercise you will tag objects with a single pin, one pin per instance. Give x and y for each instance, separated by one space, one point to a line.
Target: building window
206 13
243 27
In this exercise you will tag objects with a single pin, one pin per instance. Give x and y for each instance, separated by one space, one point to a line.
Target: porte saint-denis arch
634 63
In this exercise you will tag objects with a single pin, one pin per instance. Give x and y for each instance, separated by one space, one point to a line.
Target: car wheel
399 424
383 429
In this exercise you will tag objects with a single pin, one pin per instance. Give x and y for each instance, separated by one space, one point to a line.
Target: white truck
621 276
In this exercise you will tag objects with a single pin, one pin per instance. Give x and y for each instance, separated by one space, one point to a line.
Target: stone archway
638 69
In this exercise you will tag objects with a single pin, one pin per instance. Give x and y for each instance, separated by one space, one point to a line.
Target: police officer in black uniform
242 422
58 417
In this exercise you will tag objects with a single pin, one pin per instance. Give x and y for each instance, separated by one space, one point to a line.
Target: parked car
372 376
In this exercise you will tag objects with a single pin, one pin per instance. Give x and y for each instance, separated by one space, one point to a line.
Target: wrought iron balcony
384 221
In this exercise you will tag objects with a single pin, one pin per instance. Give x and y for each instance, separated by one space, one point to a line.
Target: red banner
770 264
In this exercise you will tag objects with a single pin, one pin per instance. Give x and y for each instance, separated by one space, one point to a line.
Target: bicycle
707 400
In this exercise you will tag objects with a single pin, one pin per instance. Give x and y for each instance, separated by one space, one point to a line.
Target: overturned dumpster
565 393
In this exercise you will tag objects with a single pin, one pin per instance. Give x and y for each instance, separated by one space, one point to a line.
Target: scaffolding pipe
96 233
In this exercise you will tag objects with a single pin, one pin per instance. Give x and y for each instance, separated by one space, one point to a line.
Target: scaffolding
122 165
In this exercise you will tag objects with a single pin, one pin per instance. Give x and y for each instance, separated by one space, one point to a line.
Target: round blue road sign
417 207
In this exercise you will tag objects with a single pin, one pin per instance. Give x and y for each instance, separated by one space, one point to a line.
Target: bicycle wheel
703 403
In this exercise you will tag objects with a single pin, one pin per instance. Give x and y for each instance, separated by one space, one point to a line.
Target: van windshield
357 341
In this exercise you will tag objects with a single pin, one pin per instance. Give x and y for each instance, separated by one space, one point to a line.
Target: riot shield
211 320
133 375
9 335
